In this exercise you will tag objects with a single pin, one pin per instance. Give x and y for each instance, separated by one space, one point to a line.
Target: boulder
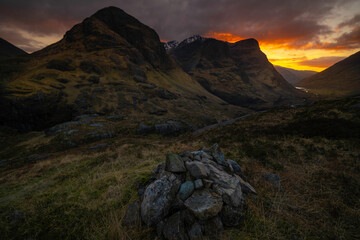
174 163
246 187
204 204
227 185
174 228
235 166
218 155
195 232
273 179
167 129
186 189
213 227
197 169
232 216
157 200
198 183
144 129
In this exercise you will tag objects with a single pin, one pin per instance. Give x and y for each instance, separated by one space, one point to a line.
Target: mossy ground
83 194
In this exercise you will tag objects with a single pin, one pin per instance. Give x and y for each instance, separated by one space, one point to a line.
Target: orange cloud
286 53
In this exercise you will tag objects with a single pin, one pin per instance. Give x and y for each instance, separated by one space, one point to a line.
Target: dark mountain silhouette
342 78
9 50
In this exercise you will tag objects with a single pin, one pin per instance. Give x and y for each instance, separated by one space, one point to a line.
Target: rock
186 153
174 163
143 129
208 183
167 129
218 155
198 183
157 200
204 204
116 117
98 125
196 169
174 228
159 229
232 216
166 94
273 179
213 227
100 146
235 166
132 216
227 185
186 189
71 131
195 232
246 187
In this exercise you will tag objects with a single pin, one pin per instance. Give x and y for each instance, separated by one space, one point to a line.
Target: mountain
293 76
109 64
9 50
342 78
174 44
239 73
170 45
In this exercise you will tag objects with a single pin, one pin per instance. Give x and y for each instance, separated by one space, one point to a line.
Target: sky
300 34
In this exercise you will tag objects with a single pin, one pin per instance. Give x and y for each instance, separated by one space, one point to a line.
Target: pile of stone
194 194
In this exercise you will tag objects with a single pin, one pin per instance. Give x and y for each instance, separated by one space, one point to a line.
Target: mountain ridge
238 73
342 78
7 50
109 63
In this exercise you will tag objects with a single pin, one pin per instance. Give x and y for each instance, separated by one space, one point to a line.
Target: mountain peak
115 17
250 43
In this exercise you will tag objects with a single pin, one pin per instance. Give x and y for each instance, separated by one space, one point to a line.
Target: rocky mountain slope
109 63
343 78
239 73
293 76
9 50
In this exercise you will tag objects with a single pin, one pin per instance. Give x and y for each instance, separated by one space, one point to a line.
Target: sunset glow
306 57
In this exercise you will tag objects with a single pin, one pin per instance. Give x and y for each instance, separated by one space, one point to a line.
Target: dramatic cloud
293 23
351 22
321 62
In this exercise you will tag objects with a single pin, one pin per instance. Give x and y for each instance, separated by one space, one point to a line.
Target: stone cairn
194 194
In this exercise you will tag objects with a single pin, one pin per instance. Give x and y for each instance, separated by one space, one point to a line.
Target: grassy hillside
108 64
48 191
341 79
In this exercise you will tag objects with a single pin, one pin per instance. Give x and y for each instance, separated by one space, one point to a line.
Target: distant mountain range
294 76
9 50
342 78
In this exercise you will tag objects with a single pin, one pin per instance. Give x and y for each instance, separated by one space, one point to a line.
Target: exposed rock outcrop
194 194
